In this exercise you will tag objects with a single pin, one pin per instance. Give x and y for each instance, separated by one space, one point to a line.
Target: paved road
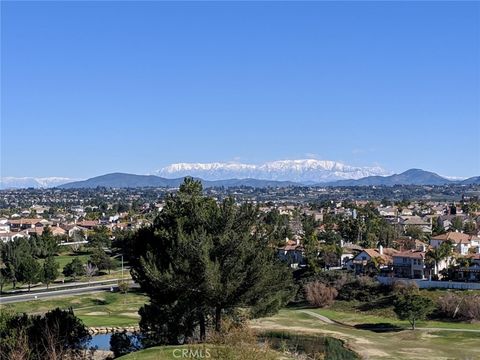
56 293
64 286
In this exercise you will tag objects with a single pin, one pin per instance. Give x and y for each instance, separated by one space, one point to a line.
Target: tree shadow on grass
379 327
100 302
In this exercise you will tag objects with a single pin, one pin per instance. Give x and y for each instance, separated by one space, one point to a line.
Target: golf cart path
318 316
329 321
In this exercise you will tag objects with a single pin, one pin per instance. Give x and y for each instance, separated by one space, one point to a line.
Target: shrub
236 341
470 308
404 287
448 305
454 306
57 334
319 294
362 288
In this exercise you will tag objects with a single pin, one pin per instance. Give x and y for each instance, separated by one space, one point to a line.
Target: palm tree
374 264
436 255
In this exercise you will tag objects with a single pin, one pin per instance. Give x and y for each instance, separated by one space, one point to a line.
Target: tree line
32 260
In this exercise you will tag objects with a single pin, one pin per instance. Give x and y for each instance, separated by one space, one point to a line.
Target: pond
329 348
100 341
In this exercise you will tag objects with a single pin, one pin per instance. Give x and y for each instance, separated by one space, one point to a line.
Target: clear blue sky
91 88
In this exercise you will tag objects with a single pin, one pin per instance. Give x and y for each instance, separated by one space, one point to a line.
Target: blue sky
91 88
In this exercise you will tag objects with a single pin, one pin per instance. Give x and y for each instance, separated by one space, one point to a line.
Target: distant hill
122 180
470 181
409 177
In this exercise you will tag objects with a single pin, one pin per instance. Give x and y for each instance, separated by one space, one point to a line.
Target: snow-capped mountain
26 182
304 170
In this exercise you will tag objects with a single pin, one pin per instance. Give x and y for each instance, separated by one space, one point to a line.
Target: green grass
348 312
99 309
63 260
404 344
202 351
164 352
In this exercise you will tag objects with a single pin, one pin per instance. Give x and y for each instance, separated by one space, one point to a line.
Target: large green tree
49 270
29 271
413 307
74 269
102 260
200 260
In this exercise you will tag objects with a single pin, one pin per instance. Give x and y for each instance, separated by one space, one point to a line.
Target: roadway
55 293
75 289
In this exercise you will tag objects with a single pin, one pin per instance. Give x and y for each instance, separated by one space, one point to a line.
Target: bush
236 341
319 294
332 278
57 334
454 306
404 287
470 308
362 288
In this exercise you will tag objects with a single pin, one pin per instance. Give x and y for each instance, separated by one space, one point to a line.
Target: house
387 211
4 228
408 243
469 273
10 236
88 224
25 223
292 252
406 212
349 250
424 225
461 242
39 209
362 261
74 229
410 264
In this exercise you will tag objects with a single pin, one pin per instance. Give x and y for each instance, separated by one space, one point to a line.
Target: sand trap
97 313
130 314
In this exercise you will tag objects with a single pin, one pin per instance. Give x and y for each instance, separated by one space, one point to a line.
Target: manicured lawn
63 260
99 309
355 318
401 344
353 313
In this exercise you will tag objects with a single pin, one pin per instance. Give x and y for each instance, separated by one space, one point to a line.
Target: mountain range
302 171
32 182
274 174
409 177
122 180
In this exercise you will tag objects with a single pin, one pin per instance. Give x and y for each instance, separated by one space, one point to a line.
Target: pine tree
199 259
29 271
49 271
